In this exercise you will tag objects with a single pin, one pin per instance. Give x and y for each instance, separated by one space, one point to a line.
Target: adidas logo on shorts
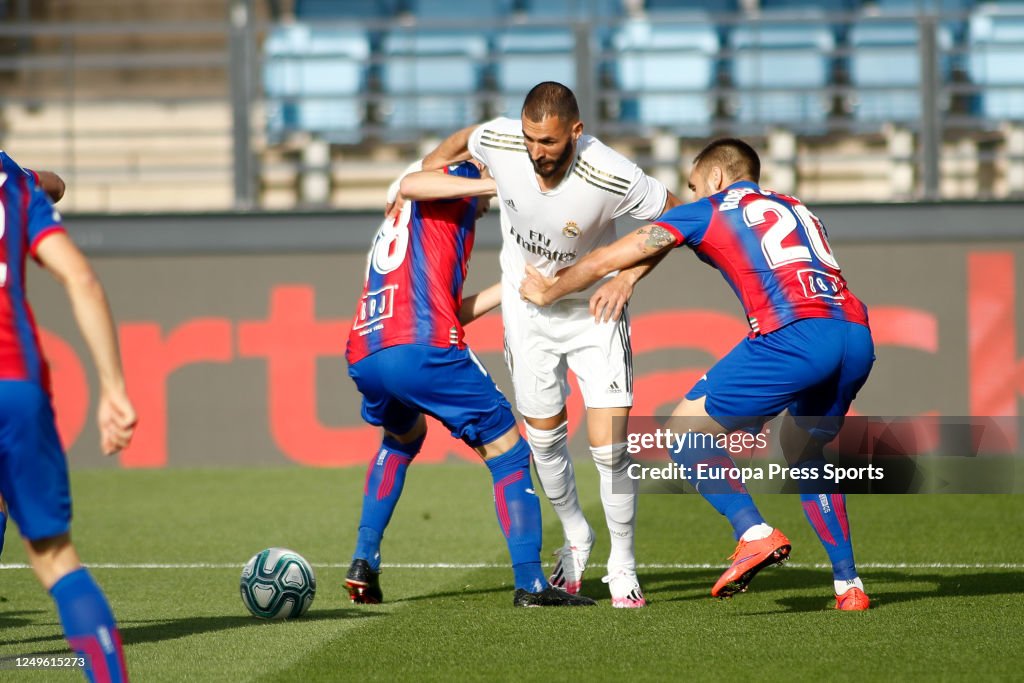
614 388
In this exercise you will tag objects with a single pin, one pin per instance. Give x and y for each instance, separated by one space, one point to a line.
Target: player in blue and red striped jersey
53 185
808 353
408 358
33 468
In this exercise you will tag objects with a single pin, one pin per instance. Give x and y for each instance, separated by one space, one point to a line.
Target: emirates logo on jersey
571 229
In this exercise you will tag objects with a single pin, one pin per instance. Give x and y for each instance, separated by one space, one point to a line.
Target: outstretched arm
452 149
609 300
427 185
644 243
116 415
479 304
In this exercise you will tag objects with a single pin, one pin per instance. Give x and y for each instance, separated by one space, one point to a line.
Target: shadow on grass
696 583
885 587
19 617
455 594
890 592
157 630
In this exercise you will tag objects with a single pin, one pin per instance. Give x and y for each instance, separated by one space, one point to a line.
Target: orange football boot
853 600
750 558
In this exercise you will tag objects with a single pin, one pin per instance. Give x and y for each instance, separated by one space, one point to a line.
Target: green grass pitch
945 575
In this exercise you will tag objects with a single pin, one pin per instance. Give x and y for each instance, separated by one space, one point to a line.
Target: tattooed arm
646 242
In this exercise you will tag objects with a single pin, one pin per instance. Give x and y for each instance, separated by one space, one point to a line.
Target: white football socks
843 586
554 469
619 498
757 532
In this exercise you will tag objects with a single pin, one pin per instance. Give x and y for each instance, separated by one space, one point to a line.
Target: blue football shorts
813 368
401 382
33 469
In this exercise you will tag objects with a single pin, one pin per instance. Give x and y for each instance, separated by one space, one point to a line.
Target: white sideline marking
494 565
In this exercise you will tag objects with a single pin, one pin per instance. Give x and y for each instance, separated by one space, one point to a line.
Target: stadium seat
790 59
312 78
665 71
816 5
428 11
952 13
885 69
689 6
430 78
570 9
433 70
996 61
905 6
528 55
349 9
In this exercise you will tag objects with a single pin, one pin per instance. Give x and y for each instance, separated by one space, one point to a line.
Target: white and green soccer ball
278 583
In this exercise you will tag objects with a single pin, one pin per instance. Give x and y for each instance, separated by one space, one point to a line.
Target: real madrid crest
571 229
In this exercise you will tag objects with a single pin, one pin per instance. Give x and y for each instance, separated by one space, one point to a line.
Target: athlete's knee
798 444
52 557
547 443
500 446
613 456
695 407
548 423
410 441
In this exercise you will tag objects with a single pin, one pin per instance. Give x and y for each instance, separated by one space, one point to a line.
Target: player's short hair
737 158
551 99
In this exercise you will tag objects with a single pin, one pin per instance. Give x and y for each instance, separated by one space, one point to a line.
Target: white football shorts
541 344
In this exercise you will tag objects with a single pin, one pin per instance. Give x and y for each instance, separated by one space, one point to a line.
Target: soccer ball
278 583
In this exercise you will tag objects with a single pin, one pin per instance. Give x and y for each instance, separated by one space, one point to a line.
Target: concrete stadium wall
238 358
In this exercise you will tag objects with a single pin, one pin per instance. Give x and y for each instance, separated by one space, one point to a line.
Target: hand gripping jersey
772 251
552 230
26 217
414 276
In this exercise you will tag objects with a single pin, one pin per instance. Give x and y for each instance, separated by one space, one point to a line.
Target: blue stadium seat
816 5
431 78
789 59
344 9
996 62
466 10
529 55
312 78
570 9
886 54
665 70
432 72
677 6
906 6
952 13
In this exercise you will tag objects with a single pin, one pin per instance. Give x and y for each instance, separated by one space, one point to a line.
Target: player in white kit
560 192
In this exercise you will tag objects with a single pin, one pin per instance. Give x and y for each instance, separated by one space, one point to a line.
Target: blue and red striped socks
727 495
518 510
89 626
385 478
827 514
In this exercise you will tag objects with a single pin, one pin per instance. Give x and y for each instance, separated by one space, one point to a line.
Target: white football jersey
552 230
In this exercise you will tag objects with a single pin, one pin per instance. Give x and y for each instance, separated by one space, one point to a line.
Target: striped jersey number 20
3 228
775 253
